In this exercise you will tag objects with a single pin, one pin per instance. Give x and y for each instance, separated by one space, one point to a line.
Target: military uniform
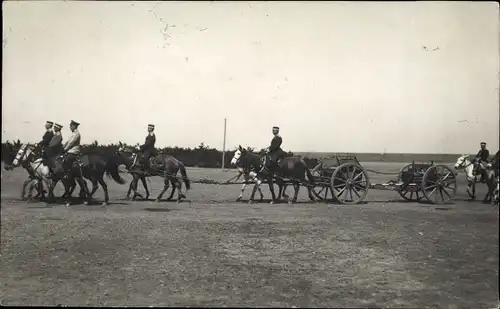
44 143
482 156
274 150
55 146
148 148
72 148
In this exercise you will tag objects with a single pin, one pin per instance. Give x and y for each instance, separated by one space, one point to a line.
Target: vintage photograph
287 154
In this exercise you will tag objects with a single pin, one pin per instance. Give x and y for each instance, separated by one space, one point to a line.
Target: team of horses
289 170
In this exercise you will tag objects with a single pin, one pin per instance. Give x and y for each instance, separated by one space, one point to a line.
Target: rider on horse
274 151
44 143
54 148
72 147
148 148
482 156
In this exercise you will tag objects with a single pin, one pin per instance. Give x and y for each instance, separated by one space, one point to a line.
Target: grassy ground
211 251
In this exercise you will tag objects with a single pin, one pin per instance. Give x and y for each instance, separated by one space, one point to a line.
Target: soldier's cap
483 143
50 122
151 126
56 125
276 128
74 123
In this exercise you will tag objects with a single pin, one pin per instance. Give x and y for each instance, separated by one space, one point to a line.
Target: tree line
201 156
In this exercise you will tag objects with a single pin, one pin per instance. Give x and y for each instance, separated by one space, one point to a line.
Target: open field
212 251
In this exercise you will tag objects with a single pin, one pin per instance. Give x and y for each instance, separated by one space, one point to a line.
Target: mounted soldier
72 147
44 143
274 152
481 158
54 148
148 148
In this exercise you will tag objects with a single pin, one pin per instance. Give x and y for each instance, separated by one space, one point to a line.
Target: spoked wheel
349 183
407 191
322 191
439 184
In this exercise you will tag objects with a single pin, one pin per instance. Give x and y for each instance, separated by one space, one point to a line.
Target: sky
411 77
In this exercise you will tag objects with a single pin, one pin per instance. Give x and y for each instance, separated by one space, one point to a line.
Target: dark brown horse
163 165
289 170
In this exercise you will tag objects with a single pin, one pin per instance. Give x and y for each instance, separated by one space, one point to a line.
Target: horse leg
134 187
41 191
129 190
105 189
284 195
179 186
473 190
165 188
95 186
179 190
255 186
50 194
271 188
241 192
145 185
23 191
296 186
280 188
174 184
83 184
32 187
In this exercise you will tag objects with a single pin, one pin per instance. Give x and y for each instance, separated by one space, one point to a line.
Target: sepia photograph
288 154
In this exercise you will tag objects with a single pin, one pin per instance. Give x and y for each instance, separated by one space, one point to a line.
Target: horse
473 173
15 155
247 171
93 168
8 152
293 169
163 165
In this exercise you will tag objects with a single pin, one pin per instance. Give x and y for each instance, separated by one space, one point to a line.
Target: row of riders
63 162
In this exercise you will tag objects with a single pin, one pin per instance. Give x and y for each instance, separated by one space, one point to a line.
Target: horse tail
187 182
111 169
308 171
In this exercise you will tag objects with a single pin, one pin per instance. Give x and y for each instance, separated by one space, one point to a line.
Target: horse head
462 162
237 155
23 155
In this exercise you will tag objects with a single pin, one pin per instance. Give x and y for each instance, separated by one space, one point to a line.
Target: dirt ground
212 251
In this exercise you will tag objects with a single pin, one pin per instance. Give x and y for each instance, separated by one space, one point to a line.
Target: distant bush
201 156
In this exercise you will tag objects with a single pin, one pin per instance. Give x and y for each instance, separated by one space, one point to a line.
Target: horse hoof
271 202
238 199
68 204
104 204
179 201
250 202
85 203
157 200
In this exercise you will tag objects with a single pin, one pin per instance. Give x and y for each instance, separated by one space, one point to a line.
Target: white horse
465 163
37 171
35 167
247 175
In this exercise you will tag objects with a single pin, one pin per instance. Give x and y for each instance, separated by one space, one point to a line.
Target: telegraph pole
224 145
